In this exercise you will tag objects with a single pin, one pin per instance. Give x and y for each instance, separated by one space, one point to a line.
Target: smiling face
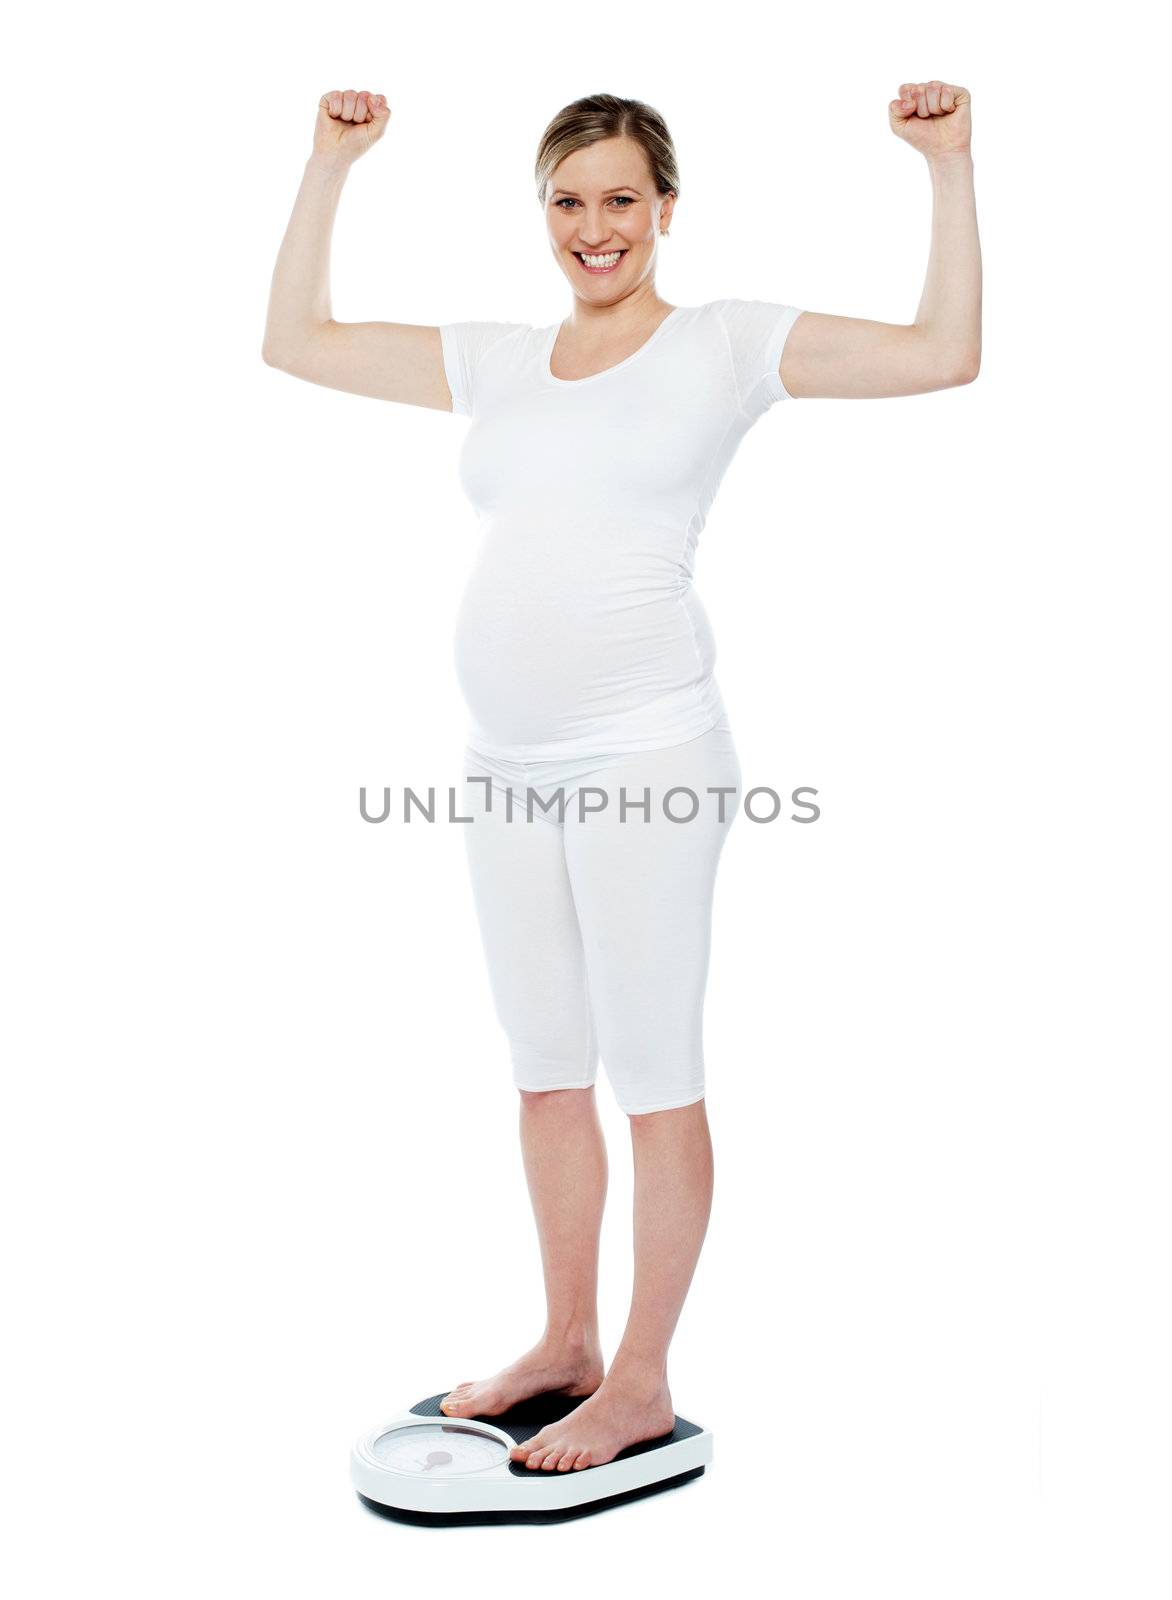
601 202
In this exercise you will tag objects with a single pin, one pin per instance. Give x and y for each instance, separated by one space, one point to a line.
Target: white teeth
602 261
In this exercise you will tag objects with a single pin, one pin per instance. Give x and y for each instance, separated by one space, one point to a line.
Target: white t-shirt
579 632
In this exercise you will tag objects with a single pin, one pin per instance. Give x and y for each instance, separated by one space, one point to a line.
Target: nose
591 241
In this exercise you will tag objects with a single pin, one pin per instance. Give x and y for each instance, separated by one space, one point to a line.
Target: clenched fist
933 118
348 122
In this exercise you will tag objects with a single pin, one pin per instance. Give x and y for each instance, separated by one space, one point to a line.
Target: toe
582 1459
529 1451
552 1456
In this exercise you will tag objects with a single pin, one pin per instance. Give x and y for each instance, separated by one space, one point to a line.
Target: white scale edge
498 1489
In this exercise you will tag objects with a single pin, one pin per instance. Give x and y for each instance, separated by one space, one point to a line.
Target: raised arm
386 360
852 358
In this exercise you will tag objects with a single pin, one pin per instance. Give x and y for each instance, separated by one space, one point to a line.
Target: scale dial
439 1449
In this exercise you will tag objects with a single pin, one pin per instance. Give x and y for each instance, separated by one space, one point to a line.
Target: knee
558 1110
651 1116
545 1097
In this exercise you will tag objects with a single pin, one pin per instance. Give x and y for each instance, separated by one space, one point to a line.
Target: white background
262 1185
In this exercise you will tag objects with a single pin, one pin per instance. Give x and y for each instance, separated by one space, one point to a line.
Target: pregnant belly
538 663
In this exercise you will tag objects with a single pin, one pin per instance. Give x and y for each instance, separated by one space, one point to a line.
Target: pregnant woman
594 451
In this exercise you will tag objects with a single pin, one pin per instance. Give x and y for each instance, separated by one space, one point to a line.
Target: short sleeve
757 331
465 345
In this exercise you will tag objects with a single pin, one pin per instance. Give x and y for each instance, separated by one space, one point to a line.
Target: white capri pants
596 926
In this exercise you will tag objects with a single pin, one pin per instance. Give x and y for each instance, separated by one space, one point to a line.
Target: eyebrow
576 196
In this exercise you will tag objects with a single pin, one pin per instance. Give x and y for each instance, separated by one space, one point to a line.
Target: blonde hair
606 116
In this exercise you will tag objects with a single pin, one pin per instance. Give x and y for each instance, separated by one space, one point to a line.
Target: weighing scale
425 1467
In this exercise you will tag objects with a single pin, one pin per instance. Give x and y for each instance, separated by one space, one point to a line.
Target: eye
568 200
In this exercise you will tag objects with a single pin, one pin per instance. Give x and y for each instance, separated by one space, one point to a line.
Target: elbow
968 369
289 349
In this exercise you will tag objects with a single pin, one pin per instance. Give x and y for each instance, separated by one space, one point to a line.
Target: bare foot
623 1411
547 1367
